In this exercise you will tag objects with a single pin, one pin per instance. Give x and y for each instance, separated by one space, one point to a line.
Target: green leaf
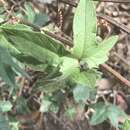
99 53
5 106
106 111
85 45
71 112
87 78
6 76
14 125
81 93
114 113
16 26
38 38
38 45
27 60
50 85
100 114
22 106
4 123
126 125
6 67
45 105
41 19
31 61
69 66
30 14
12 50
84 28
54 108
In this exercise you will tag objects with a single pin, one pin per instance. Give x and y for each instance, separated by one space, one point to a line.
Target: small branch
116 74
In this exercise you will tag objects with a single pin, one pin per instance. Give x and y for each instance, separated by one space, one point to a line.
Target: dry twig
116 74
